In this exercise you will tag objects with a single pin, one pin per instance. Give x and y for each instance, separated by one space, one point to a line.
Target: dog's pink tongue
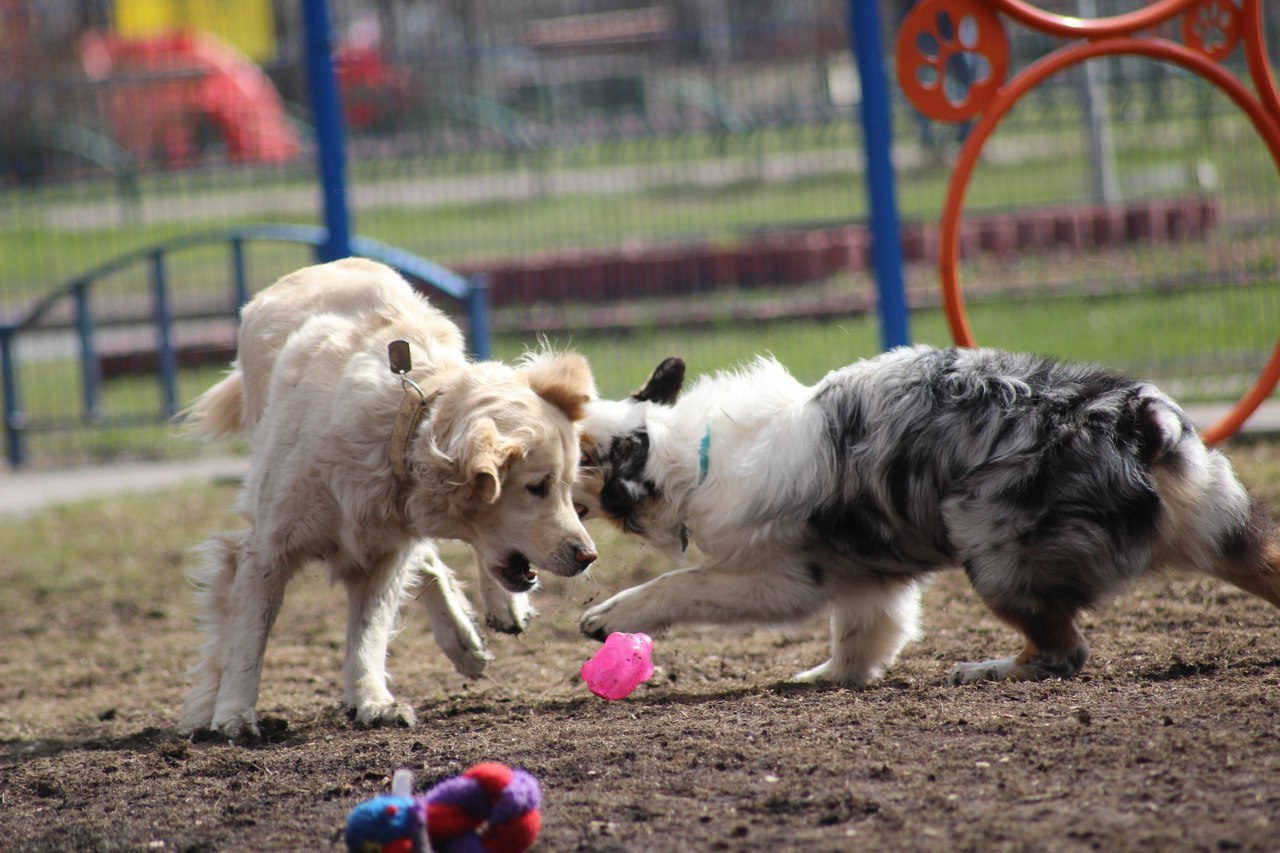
622 663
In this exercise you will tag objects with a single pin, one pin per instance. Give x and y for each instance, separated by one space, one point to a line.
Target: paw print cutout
953 56
1212 27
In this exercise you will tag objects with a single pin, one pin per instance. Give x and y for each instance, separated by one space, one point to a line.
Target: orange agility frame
922 55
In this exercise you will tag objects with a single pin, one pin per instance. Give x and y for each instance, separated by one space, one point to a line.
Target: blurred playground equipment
938 34
173 97
375 90
247 25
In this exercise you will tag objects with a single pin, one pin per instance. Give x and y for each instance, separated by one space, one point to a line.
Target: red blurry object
376 92
171 93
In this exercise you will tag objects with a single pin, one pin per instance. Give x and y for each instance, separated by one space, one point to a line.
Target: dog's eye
541 488
586 460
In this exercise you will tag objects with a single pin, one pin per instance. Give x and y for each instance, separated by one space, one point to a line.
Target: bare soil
1170 740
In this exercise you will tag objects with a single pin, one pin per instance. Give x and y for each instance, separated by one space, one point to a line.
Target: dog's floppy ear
564 380
664 384
625 485
486 458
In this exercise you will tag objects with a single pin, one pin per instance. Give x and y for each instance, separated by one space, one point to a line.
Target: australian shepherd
1051 485
361 470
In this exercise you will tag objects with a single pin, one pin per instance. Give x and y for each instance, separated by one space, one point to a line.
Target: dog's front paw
592 626
595 622
818 675
510 615
832 672
462 645
386 714
470 657
619 613
195 721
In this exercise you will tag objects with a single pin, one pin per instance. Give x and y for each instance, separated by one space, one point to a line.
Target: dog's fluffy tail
1211 522
1251 558
218 412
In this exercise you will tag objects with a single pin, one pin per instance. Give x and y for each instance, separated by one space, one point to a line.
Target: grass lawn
1038 165
1200 345
1208 343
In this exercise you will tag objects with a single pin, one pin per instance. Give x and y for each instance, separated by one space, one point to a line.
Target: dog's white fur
1052 485
760 449
491 464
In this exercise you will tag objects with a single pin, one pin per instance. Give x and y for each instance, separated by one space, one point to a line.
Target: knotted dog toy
489 809
389 823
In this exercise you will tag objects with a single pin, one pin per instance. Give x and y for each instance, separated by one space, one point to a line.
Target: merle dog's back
1046 447
1052 484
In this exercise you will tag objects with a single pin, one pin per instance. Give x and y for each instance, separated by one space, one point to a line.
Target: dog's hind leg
870 625
373 604
1054 647
254 598
212 578
449 613
1251 557
1037 572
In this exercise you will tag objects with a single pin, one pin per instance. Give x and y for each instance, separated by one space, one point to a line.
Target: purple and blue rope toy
491 808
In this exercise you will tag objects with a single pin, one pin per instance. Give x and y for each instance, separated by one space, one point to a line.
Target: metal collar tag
412 409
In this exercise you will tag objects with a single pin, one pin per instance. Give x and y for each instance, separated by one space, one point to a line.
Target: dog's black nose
584 557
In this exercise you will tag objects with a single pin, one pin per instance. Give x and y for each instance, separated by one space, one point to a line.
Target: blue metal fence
326 115
865 28
19 424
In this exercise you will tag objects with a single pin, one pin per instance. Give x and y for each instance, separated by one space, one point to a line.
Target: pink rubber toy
622 663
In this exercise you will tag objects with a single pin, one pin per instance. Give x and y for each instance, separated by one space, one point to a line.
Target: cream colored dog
352 468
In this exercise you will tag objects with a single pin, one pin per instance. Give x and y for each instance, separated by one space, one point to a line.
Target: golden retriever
340 473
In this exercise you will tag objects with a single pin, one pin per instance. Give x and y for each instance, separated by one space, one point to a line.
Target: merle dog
1051 485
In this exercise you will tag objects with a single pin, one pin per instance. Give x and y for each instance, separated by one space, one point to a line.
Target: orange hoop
929 95
1076 28
1255 51
1206 16
1033 75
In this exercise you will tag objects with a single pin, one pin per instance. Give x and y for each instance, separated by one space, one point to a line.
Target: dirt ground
1170 740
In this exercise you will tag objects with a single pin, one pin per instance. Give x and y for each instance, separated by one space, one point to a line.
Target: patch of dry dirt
1170 740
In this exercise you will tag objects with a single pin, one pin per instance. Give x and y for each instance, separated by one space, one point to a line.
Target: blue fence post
90 375
239 274
478 316
14 444
326 114
877 132
168 366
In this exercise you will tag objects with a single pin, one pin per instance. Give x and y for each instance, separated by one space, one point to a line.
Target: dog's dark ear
625 486
664 383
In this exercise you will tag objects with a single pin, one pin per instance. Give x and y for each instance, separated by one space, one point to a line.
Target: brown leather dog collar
413 408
